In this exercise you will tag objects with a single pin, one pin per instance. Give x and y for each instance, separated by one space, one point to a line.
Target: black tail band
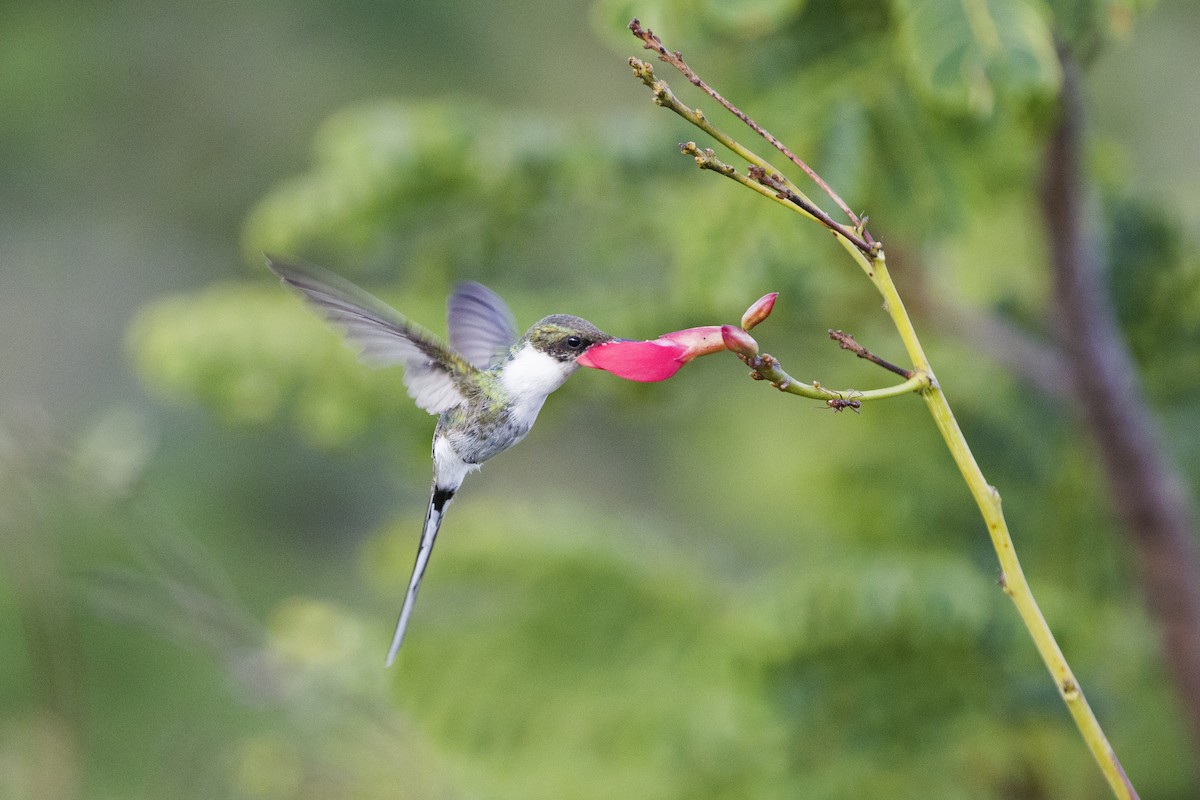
440 498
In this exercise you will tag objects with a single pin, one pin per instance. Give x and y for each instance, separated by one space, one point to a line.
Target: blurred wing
436 377
480 324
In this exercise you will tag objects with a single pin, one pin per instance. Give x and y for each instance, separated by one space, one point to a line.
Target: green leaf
752 17
965 54
1086 22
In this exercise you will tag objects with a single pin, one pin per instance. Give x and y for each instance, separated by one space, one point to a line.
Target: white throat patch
533 373
529 378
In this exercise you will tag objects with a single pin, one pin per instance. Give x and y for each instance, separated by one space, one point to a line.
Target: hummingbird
487 386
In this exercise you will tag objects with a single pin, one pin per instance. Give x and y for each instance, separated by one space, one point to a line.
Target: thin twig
675 59
776 182
847 342
707 159
664 97
774 186
766 173
765 367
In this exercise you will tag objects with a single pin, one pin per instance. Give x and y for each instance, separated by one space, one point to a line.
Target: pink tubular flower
654 360
661 358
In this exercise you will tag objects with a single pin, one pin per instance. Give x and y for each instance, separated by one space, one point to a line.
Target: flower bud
760 310
739 341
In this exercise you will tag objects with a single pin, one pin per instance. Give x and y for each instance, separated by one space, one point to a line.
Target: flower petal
645 362
696 341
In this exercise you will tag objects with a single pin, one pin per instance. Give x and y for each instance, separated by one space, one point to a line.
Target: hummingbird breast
484 428
505 405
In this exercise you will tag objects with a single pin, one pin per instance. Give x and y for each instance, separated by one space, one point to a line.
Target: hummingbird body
487 387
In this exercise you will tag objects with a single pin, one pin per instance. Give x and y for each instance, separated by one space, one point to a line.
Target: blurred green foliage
693 589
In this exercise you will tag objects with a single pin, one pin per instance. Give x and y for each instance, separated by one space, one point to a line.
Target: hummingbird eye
574 342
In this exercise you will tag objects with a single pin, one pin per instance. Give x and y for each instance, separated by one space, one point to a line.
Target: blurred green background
700 588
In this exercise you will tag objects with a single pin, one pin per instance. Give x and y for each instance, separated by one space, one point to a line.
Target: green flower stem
766 368
873 263
1012 577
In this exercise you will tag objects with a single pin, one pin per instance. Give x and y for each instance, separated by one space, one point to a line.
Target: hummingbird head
564 337
545 357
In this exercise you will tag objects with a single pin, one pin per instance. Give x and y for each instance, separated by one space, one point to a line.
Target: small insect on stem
840 403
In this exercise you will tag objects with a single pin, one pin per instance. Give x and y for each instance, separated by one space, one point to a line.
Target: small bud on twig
759 311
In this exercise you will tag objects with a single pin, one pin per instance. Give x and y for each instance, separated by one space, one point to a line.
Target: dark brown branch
1147 490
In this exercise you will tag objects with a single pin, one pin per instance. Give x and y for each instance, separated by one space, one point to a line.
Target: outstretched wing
437 377
480 324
